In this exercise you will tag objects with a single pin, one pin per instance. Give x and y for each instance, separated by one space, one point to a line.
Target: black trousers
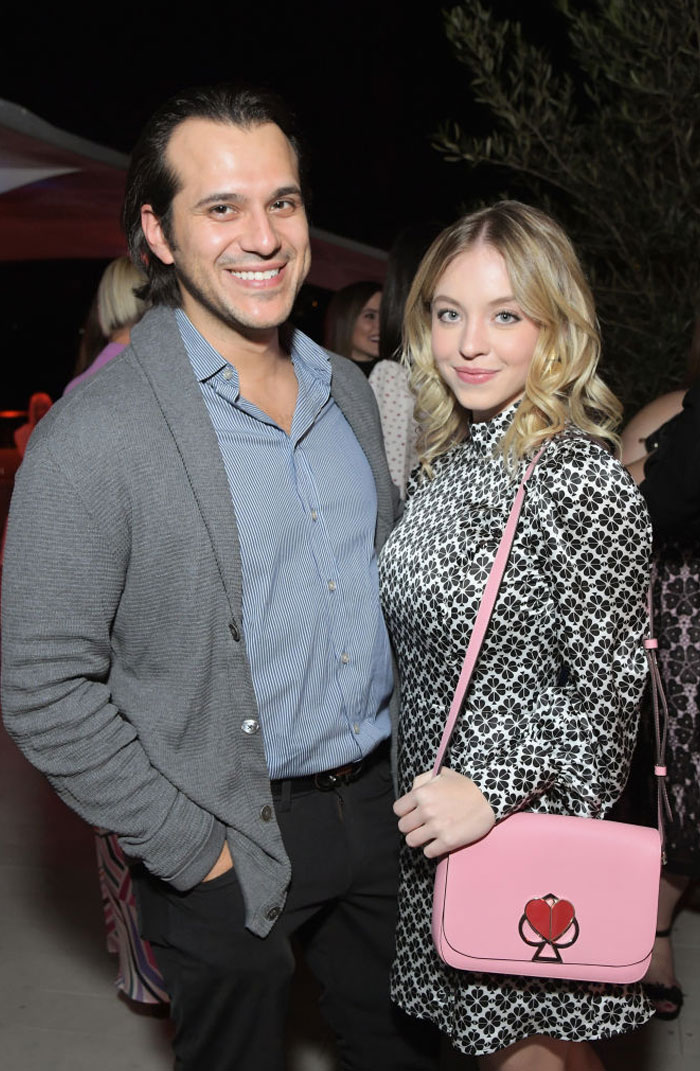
229 989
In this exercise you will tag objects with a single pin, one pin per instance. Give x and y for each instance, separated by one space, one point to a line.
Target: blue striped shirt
305 506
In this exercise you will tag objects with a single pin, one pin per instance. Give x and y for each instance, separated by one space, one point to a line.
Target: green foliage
609 143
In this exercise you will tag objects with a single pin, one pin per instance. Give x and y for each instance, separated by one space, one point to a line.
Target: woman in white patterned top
502 343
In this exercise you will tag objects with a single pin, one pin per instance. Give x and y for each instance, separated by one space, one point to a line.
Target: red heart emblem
550 921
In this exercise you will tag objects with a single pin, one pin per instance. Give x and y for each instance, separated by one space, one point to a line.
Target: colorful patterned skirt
138 977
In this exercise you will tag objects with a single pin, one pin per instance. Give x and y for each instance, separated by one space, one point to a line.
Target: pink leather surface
606 873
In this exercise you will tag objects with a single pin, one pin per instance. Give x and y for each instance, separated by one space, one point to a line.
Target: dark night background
369 81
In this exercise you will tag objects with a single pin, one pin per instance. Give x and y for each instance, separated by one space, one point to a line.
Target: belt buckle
344 775
326 781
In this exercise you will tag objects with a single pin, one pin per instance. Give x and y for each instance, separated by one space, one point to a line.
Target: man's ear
153 232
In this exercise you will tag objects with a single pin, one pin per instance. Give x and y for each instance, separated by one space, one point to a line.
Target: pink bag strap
483 617
660 711
488 601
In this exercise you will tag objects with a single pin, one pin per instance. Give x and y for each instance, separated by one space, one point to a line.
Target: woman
118 308
501 339
660 449
352 323
389 378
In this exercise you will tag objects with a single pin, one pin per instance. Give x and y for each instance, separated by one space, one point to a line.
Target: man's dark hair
150 180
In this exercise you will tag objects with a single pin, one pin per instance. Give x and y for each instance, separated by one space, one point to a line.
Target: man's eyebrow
286 191
239 198
218 198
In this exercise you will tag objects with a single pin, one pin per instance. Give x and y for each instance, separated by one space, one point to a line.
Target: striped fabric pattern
137 975
305 507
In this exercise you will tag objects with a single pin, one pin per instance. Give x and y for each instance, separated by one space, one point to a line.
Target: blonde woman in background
118 307
502 345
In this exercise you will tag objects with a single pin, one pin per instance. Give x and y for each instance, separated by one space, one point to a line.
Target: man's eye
284 204
220 210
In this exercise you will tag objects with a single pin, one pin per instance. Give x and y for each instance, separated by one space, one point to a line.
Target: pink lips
475 375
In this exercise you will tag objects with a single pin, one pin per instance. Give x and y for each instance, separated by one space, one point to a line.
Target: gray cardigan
125 676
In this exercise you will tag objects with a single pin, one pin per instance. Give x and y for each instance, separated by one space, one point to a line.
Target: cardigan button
234 630
250 726
266 813
272 914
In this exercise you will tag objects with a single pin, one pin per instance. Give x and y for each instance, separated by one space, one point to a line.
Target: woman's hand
443 813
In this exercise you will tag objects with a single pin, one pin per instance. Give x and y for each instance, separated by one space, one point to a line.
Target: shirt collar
488 433
207 362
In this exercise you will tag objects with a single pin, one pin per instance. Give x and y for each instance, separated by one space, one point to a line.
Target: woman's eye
447 316
506 317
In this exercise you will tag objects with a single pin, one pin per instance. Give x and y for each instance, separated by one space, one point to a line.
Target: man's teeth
256 275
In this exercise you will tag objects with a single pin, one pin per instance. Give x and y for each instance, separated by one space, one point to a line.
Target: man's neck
251 352
266 376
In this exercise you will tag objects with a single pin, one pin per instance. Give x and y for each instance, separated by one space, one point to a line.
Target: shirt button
331 585
345 658
272 914
314 515
356 726
266 813
250 726
228 373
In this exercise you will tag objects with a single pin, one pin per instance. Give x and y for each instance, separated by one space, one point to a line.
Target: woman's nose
474 339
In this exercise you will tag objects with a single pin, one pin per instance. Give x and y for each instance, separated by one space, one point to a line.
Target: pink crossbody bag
545 895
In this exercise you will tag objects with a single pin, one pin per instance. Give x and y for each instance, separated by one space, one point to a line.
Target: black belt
327 780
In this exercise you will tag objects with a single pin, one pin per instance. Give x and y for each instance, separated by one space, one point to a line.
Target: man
194 650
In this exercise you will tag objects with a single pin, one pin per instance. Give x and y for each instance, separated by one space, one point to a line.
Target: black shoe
659 993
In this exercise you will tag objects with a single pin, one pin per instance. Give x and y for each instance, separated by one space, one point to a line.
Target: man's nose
259 234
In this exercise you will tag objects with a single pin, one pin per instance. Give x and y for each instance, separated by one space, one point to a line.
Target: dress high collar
487 434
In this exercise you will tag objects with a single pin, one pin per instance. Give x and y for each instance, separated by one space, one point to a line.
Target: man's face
239 237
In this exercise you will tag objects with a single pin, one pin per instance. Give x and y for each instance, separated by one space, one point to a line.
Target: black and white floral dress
550 719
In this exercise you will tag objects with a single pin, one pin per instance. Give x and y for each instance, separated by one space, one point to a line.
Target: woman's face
365 337
482 340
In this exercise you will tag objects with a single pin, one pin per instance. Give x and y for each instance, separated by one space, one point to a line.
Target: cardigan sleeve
63 575
595 542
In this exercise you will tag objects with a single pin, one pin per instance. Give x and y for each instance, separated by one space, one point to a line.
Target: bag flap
552 887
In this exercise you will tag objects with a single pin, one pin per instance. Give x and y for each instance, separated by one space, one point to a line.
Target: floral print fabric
550 719
677 605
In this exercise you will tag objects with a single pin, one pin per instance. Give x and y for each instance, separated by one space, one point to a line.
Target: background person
663 440
118 308
389 378
502 342
38 406
352 323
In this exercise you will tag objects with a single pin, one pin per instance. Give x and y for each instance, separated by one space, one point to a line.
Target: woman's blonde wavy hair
562 385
